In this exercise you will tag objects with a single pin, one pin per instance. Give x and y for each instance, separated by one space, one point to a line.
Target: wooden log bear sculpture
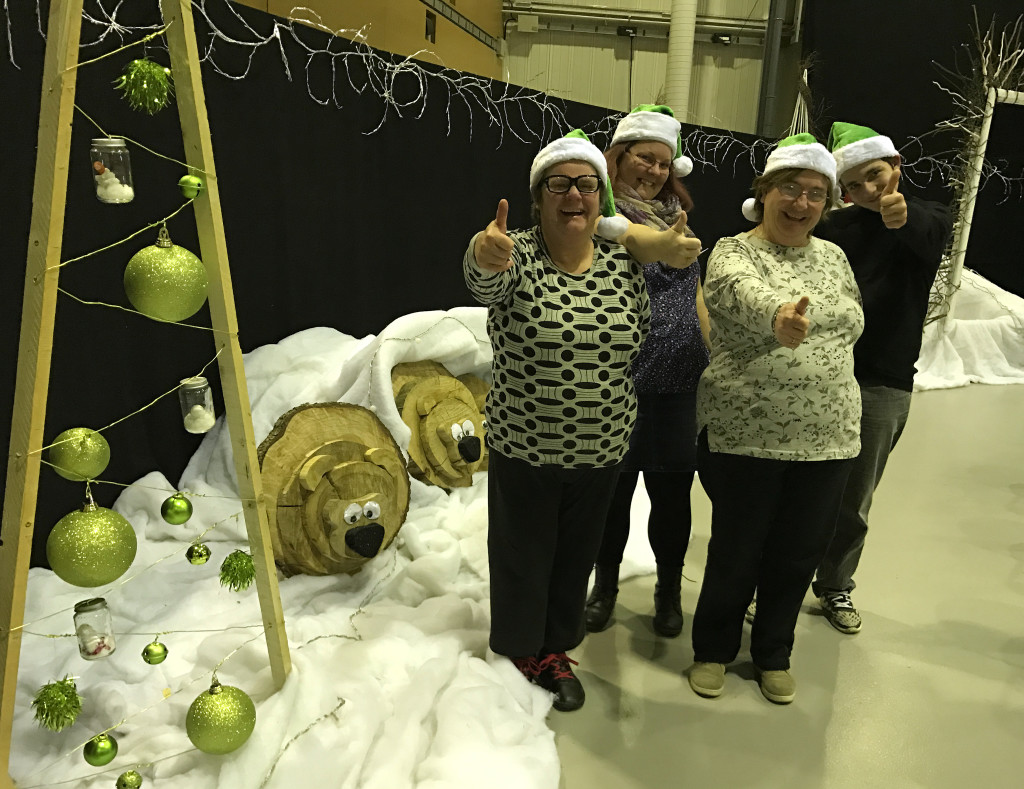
336 485
446 420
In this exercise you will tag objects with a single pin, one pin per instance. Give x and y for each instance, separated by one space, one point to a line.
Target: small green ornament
165 282
176 509
154 653
146 86
57 704
128 780
92 546
221 719
198 553
190 185
79 454
237 571
100 750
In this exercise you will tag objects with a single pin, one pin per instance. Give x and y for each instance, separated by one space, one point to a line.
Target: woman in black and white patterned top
567 313
779 410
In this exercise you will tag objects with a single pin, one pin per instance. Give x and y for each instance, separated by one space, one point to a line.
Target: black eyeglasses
560 184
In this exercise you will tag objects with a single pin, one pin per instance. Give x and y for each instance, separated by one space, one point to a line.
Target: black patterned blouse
563 344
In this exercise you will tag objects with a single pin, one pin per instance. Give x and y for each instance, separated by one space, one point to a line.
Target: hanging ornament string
143 40
137 312
140 145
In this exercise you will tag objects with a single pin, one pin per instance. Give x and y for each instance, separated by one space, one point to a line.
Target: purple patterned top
673 356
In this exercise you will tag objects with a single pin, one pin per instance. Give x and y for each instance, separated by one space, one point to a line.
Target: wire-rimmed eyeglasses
793 191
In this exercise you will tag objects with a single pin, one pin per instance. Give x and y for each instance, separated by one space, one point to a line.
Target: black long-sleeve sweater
895 270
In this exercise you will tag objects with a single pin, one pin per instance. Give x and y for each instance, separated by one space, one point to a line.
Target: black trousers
668 527
544 529
771 521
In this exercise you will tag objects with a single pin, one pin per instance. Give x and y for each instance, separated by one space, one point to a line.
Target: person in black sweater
895 244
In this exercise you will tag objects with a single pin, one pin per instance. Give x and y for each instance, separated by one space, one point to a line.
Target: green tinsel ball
79 454
154 653
91 546
198 553
237 571
176 509
165 282
128 780
146 86
57 704
221 719
100 750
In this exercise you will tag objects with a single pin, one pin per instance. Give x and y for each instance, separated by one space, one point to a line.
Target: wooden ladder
37 322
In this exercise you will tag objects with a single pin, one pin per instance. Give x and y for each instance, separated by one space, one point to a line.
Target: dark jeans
664 447
544 529
884 413
771 521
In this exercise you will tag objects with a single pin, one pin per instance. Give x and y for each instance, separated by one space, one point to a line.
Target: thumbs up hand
892 204
493 247
681 247
791 323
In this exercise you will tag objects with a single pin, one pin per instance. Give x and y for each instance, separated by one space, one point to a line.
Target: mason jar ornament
93 629
112 170
196 399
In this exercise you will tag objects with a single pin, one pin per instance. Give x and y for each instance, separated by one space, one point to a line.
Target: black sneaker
527 666
554 674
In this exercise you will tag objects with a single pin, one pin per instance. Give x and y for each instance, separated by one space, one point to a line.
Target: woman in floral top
779 411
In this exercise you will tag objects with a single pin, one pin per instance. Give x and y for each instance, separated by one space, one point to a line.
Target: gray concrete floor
929 694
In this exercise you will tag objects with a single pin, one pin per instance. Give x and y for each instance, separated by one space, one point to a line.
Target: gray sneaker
840 613
777 686
707 679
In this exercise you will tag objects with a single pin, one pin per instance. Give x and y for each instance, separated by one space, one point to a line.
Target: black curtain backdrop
326 224
874 63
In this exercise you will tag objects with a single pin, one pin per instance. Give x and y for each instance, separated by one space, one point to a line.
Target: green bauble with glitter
146 86
100 750
92 546
79 454
198 553
57 704
154 653
166 282
128 780
176 509
221 719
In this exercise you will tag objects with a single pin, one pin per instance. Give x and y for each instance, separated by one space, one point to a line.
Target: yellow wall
399 25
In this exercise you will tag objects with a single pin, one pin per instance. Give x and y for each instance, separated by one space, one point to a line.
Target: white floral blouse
758 398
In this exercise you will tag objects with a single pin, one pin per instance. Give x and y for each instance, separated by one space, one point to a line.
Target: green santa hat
575 146
852 145
800 151
657 123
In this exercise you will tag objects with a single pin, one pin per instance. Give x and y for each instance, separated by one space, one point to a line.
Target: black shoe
601 603
668 608
554 674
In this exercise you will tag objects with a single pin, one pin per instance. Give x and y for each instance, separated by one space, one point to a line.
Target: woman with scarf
645 164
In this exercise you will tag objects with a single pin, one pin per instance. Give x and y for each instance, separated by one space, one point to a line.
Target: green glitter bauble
57 704
100 750
154 653
198 553
176 509
146 86
237 571
190 185
221 719
91 546
128 780
165 282
79 454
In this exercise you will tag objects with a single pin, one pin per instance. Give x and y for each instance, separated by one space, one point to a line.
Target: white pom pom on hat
612 227
750 210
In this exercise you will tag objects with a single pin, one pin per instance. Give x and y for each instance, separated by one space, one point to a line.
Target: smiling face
865 183
644 168
789 221
571 212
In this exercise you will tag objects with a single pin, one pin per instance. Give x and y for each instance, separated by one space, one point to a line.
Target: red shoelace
558 662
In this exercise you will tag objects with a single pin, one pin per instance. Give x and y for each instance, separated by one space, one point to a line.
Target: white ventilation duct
680 57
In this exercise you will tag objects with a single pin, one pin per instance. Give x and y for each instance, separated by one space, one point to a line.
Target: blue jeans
884 412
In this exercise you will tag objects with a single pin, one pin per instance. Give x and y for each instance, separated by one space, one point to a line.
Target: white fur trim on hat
750 210
568 149
612 227
854 153
814 156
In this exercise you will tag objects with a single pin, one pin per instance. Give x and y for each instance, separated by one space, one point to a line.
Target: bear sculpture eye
457 432
371 510
468 428
353 512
